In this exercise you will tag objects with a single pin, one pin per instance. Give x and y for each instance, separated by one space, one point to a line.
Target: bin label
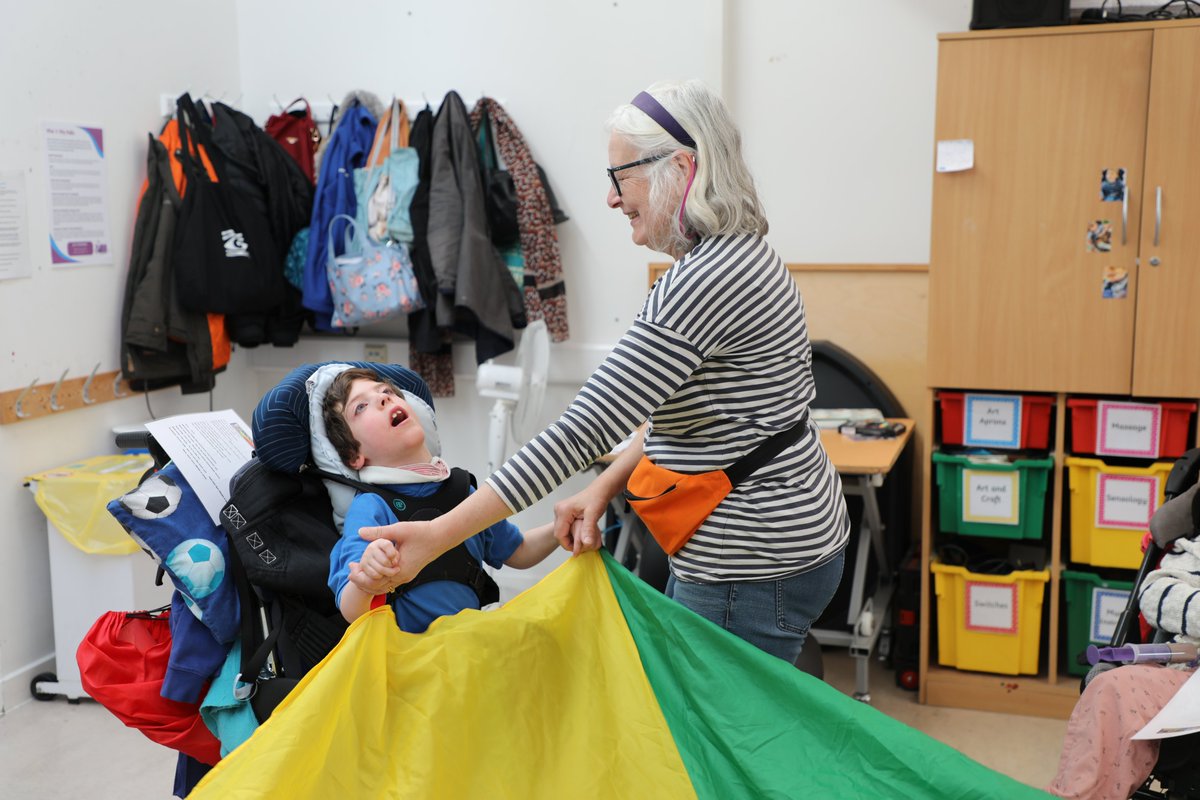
992 497
1128 429
1107 605
992 420
1126 501
991 607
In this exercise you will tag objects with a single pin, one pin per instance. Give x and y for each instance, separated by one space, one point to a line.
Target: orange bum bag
673 505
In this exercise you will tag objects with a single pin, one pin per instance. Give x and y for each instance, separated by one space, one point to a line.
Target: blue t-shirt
421 605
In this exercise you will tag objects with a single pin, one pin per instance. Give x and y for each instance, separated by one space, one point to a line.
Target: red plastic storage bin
1035 418
1172 438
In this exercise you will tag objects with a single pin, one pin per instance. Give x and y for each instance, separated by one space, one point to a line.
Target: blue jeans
774 616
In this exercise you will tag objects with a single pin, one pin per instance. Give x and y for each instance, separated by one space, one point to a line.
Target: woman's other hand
577 520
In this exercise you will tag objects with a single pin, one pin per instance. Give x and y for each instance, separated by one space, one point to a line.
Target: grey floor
54 749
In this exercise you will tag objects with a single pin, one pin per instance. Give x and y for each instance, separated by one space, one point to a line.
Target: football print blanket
164 515
591 685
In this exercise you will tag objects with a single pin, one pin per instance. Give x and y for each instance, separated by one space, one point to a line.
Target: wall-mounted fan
519 391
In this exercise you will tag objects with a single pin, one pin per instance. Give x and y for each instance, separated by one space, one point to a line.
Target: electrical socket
375 352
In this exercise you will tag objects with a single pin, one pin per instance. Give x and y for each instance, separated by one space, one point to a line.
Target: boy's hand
376 573
412 543
576 520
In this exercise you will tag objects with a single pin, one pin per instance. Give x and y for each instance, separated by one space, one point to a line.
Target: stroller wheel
38 694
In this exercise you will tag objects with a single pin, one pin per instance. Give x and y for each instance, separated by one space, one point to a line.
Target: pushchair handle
1183 475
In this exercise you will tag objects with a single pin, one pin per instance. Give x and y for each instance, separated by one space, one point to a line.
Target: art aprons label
991 420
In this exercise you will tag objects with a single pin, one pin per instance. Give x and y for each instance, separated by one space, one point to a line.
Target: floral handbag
370 281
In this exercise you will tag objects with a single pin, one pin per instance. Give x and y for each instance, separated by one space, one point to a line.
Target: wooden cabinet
1168 292
1016 296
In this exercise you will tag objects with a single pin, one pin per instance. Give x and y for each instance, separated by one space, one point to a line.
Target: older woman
718 362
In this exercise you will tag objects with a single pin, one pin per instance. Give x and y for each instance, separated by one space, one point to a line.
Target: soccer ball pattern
156 497
199 566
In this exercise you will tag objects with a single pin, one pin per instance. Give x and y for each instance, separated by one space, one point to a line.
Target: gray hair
722 199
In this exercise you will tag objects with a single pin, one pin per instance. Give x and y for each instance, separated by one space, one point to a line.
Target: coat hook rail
65 394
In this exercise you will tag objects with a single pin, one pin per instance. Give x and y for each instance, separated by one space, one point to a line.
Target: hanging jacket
258 168
476 293
544 290
429 347
348 148
163 344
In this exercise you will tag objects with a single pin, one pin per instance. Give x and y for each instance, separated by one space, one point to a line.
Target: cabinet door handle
1124 213
1157 213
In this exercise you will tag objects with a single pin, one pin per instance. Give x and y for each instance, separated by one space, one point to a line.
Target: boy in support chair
374 430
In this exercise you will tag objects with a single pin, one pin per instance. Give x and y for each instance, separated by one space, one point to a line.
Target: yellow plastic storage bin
1111 509
989 623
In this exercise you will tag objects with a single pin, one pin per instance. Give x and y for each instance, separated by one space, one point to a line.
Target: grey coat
476 293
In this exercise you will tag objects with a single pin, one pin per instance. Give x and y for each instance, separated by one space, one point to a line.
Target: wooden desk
863 464
865 456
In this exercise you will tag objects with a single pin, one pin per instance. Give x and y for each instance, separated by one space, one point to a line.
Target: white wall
836 110
77 61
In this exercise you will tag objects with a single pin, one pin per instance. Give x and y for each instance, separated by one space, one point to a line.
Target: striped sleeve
647 366
1168 597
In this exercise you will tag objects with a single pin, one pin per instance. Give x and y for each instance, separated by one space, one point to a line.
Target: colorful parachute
589 685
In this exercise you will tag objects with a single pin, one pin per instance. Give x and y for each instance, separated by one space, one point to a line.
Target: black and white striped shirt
718 360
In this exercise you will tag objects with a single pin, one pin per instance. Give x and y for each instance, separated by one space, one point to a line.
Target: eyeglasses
612 171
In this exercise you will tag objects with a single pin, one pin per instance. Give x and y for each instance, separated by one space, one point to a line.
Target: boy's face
387 432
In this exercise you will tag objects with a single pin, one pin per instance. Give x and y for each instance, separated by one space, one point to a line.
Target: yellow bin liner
74 497
1106 545
989 623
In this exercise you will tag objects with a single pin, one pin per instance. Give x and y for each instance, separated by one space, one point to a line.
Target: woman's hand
411 547
577 520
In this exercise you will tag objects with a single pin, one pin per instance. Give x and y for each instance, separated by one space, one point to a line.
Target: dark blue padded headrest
280 423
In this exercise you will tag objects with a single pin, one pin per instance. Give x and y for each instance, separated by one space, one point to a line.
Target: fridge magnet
1112 185
1099 236
1116 283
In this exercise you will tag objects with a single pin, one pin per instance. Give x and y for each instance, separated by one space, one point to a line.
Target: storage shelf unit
1019 303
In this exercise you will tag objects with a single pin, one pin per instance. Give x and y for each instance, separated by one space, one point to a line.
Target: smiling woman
717 362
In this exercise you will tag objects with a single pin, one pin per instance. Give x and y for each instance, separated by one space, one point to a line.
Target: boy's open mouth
398 416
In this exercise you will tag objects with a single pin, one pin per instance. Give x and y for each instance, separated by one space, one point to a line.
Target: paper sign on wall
955 155
991 496
1126 501
991 607
14 239
77 181
1107 605
992 420
1128 429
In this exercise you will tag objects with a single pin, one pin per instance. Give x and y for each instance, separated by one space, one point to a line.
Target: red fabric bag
297 133
122 663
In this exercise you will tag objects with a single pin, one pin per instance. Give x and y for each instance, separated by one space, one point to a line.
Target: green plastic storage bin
1019 494
1093 606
